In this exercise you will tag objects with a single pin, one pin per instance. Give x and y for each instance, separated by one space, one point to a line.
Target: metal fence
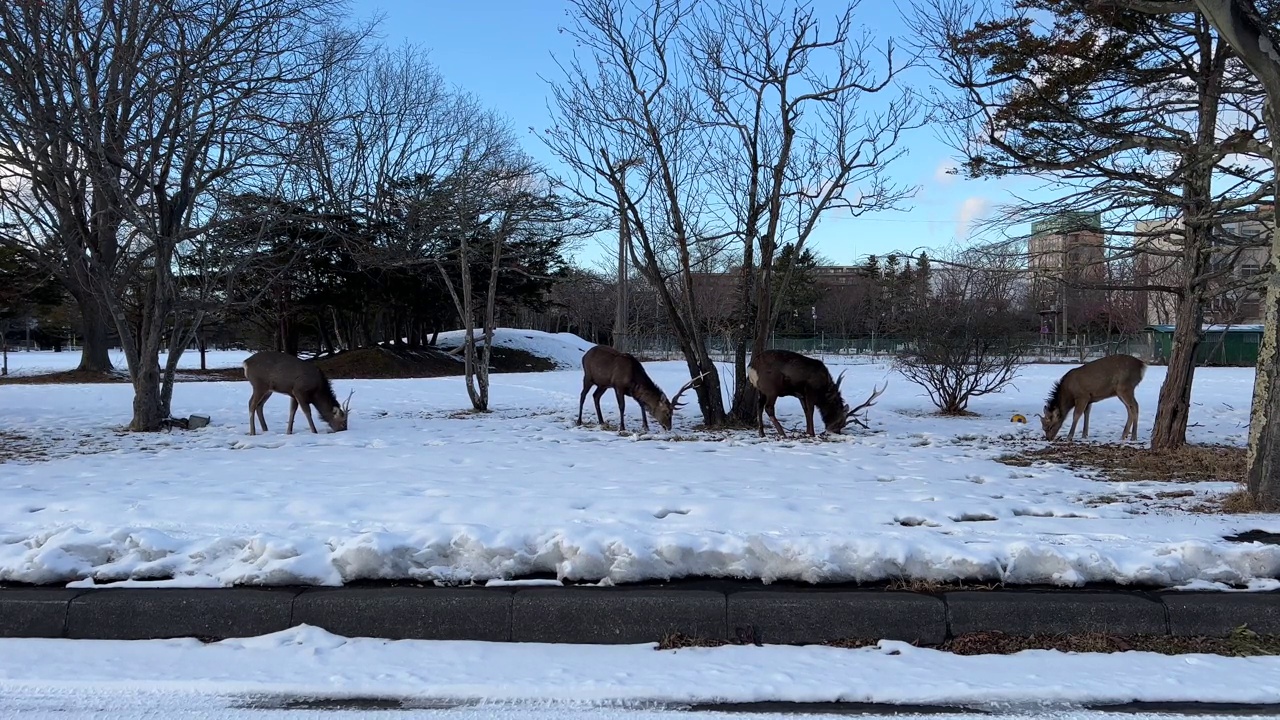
829 347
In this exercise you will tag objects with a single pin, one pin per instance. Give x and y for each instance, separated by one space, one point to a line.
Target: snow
307 662
420 489
564 349
46 361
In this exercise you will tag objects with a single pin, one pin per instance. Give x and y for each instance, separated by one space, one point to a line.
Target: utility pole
621 321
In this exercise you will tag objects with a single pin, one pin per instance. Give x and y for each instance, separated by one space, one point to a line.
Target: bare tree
794 139
495 195
126 122
966 341
628 128
723 123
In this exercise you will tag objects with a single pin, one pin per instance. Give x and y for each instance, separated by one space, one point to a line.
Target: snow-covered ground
418 488
46 361
306 662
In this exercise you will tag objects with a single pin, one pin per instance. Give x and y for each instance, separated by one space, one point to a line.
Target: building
1065 254
1235 299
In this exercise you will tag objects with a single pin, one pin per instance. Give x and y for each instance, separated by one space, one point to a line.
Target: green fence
1072 350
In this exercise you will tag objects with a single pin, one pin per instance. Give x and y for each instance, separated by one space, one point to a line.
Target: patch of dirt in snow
1192 463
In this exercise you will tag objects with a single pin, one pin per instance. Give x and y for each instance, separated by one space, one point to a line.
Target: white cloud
944 174
973 208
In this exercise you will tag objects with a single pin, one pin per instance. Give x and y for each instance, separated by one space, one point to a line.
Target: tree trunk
96 321
4 347
743 410
1170 428
1264 416
148 409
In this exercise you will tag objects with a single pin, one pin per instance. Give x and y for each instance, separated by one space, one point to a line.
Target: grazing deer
1077 391
605 367
782 373
302 381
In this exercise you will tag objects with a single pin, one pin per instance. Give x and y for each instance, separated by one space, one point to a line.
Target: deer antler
346 405
675 401
853 414
840 379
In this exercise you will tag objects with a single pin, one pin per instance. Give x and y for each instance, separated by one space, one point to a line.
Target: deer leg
599 393
293 410
644 418
760 412
1075 417
256 401
808 416
582 399
253 405
770 407
1131 419
1087 408
622 409
306 410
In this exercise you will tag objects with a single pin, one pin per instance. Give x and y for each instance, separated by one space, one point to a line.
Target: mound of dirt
386 362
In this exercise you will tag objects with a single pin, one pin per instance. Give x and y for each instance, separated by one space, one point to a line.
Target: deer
304 383
604 367
1081 387
782 373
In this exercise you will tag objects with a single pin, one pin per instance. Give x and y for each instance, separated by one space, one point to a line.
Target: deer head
341 413
838 420
665 408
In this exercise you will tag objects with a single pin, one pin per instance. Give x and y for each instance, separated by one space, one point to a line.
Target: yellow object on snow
1018 418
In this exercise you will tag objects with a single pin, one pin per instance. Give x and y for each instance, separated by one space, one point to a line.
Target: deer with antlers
782 373
604 367
304 383
1075 392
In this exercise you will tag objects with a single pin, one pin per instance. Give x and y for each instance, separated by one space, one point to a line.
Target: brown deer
302 381
604 367
1077 391
782 373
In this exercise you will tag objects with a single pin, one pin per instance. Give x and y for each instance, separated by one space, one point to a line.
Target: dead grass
1192 463
1241 643
1239 502
15 447
932 587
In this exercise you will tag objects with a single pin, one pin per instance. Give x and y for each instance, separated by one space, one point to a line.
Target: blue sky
497 49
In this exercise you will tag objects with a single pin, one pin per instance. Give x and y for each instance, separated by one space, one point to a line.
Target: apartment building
1235 299
1065 254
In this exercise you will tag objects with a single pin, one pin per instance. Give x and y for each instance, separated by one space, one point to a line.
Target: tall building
1234 299
1065 254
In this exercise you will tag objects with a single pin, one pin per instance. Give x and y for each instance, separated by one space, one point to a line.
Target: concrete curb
737 612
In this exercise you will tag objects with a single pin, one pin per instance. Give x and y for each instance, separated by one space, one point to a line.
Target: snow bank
417 490
306 662
564 349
